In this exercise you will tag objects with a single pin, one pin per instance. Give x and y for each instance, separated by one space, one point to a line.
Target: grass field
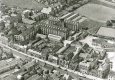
30 4
97 12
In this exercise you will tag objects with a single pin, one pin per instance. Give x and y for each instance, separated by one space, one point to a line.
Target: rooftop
28 31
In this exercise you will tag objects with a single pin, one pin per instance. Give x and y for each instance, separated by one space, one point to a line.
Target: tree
109 23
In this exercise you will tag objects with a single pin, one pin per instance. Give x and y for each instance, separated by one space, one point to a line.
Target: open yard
30 4
97 12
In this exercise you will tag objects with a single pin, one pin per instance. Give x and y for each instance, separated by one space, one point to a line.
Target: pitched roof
28 21
34 77
30 64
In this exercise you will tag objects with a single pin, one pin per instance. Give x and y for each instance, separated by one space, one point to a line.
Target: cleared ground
30 4
97 12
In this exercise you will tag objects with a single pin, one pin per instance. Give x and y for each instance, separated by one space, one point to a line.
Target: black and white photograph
57 39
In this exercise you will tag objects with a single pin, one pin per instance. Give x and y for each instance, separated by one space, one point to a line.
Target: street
47 62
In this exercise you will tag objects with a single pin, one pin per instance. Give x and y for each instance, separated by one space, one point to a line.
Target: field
30 4
97 12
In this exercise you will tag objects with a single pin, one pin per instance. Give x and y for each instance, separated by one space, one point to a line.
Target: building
56 8
29 66
53 29
103 69
54 38
53 59
73 66
28 21
73 21
35 77
56 21
4 39
27 35
39 16
7 65
84 67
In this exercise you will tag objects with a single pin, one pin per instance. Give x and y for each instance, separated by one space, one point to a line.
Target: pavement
47 62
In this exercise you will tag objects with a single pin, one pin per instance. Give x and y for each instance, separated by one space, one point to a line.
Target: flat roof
108 32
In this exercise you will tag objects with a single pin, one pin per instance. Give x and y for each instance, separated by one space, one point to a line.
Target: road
71 71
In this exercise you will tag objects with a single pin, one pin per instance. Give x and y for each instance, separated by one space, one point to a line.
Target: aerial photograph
57 39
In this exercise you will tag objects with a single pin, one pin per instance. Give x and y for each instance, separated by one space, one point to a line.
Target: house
84 66
73 66
29 65
26 35
46 10
35 77
4 39
53 59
